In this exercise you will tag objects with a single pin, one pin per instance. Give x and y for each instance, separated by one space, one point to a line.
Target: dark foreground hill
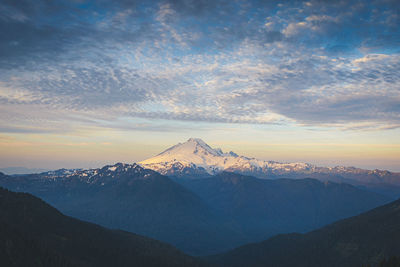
364 240
32 233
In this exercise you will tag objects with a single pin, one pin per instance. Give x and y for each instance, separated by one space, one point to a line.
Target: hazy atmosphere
88 83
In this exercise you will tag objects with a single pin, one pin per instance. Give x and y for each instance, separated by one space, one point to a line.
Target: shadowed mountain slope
33 233
134 199
366 239
262 208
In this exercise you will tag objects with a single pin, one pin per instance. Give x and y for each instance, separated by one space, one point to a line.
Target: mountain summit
192 147
194 158
194 153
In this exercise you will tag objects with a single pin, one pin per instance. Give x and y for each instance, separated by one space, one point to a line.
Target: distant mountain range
198 216
368 239
21 170
32 233
195 159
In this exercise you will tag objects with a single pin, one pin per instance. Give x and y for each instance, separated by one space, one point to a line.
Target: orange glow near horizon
101 147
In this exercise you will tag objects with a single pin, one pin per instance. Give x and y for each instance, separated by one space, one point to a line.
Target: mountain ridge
264 207
362 240
195 159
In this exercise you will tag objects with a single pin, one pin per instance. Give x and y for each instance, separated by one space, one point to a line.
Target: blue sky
246 75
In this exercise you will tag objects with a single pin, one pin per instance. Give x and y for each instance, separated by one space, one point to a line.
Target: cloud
305 63
308 89
295 28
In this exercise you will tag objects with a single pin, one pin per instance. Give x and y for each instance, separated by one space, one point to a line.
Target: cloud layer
330 63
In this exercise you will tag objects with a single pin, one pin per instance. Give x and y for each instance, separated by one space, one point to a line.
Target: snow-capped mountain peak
192 146
194 158
195 154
